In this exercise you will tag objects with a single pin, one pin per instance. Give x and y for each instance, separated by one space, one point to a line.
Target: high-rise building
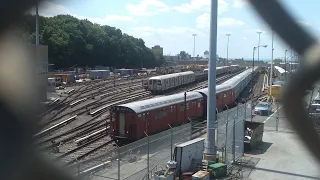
157 49
206 54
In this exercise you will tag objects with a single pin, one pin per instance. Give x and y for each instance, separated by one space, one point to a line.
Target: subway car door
121 124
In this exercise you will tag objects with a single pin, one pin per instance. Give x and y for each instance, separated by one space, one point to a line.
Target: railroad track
88 90
200 85
92 109
80 96
66 140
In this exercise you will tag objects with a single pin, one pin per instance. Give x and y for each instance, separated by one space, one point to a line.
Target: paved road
282 154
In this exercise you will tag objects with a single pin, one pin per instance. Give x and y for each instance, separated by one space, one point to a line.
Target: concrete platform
282 154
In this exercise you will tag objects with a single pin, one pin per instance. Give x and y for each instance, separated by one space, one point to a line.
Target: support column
210 149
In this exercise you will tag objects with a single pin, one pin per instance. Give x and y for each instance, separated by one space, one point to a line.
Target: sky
171 23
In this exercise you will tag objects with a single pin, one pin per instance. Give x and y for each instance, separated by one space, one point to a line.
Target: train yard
76 127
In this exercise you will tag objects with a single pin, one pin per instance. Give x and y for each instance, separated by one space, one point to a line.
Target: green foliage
183 55
72 41
277 60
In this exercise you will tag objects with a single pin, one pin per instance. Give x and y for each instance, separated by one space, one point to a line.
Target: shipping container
276 89
201 175
51 85
98 74
66 78
186 152
126 72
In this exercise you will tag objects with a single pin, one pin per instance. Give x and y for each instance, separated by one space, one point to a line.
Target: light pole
37 25
285 63
271 65
290 65
194 44
252 76
259 33
228 35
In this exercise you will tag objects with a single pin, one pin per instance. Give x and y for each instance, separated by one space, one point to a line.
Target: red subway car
131 120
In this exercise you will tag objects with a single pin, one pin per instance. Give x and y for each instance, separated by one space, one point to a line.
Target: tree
277 60
183 55
72 41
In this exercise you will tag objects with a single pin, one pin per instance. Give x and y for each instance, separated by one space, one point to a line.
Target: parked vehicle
262 108
131 120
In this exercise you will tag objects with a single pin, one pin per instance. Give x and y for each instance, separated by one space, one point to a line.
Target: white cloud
203 5
144 31
229 22
203 22
50 9
109 20
240 3
147 8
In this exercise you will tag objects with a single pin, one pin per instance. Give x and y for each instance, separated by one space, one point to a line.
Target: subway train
131 120
165 83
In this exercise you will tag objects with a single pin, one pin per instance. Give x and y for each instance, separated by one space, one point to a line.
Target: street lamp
252 75
228 35
271 66
259 33
285 63
194 43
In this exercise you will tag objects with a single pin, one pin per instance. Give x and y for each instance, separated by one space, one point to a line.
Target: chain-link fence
153 152
230 132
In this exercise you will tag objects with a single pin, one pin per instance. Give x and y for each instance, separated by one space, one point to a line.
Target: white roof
155 103
229 83
280 69
171 75
221 67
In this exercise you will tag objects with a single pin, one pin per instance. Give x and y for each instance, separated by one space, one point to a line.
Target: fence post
251 109
226 142
237 109
245 110
277 119
171 142
310 102
119 153
148 156
190 128
234 141
78 166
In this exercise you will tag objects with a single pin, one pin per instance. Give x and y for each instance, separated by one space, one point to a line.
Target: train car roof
219 88
229 83
171 75
238 78
221 67
280 69
155 103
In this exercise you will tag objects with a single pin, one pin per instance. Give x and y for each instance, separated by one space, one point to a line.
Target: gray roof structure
155 103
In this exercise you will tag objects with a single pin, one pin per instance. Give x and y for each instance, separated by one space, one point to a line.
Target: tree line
80 42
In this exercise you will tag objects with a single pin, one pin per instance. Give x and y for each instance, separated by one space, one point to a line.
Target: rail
77 102
52 128
78 141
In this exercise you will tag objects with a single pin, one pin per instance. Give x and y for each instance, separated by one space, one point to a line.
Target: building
206 54
157 49
39 58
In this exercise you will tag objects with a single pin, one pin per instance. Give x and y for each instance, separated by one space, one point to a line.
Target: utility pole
228 35
271 65
37 25
210 149
194 44
259 33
